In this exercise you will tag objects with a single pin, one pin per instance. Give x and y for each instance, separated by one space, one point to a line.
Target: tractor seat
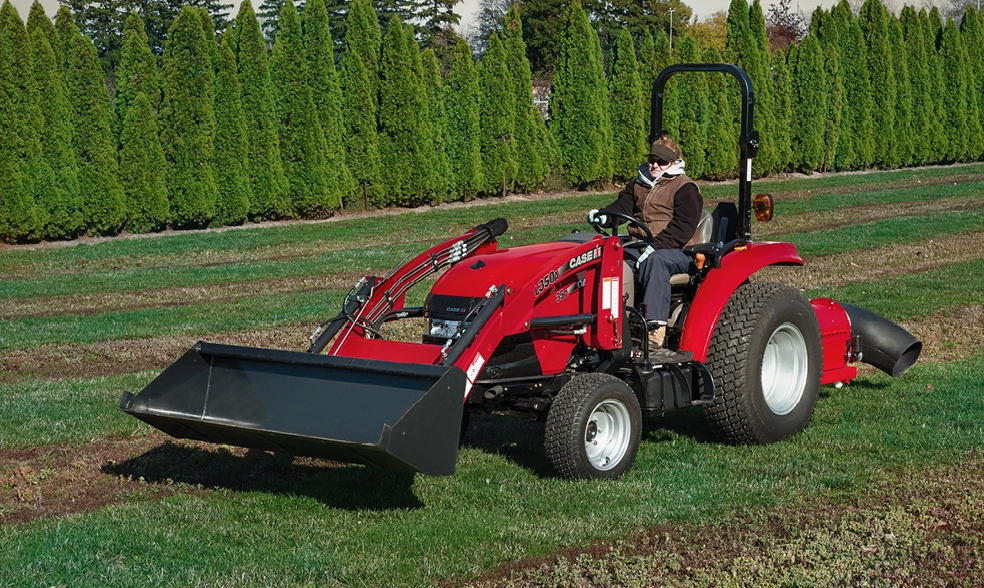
705 233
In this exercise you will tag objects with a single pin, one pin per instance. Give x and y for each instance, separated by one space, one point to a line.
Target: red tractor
547 331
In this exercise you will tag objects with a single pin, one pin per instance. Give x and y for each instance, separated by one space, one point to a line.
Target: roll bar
748 139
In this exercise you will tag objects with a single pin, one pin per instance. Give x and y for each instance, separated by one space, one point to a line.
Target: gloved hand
597 220
649 251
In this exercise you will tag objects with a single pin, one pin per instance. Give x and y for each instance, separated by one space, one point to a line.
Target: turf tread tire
565 427
739 414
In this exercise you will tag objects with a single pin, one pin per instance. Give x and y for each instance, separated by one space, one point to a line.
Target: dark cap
661 153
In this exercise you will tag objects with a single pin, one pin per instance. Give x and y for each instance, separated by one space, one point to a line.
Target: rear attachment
392 415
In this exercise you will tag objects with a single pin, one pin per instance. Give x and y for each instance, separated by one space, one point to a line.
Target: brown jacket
671 209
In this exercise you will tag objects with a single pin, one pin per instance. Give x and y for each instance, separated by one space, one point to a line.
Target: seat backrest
705 227
725 217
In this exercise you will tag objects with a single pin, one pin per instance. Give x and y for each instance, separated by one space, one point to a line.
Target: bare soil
41 482
904 530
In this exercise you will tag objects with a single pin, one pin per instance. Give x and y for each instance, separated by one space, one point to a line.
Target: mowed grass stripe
915 294
300 239
246 312
926 223
361 261
894 296
884 232
82 304
294 239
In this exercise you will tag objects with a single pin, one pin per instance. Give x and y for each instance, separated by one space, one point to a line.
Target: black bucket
391 415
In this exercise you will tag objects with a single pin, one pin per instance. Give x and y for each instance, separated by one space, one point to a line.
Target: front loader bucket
392 415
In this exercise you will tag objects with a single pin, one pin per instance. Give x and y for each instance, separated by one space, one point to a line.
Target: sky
703 9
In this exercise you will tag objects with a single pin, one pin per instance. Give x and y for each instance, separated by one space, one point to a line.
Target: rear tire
593 428
766 358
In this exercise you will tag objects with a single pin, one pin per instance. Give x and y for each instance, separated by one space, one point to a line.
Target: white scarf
648 181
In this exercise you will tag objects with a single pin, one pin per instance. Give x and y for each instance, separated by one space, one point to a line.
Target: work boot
657 336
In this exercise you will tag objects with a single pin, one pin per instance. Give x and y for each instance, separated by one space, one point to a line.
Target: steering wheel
632 222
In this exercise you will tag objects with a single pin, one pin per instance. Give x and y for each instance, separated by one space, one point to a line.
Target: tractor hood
516 266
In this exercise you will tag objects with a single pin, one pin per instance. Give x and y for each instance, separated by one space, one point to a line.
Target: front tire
593 428
766 358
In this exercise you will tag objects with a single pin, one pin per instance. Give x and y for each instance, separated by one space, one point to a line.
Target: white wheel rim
606 437
784 368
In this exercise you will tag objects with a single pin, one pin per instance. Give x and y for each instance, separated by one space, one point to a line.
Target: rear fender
720 283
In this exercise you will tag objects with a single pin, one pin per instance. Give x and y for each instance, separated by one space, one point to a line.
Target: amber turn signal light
763 206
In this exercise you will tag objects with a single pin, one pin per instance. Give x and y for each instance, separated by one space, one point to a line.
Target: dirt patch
854 215
83 304
949 334
124 356
865 265
923 528
42 482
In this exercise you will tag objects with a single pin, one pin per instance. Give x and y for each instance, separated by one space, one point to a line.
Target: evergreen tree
326 91
95 148
267 177
38 20
142 168
211 40
432 188
903 100
498 107
359 116
936 27
61 197
874 24
21 160
230 159
972 31
137 71
955 104
543 32
741 47
783 110
403 133
188 121
767 159
302 141
647 61
599 88
364 37
695 111
628 109
809 110
972 37
530 167
922 91
721 150
938 138
856 146
576 112
835 105
461 97
434 86
65 29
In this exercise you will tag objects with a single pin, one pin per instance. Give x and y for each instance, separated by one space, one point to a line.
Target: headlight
444 329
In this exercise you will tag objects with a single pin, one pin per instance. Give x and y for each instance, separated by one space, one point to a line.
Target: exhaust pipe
884 344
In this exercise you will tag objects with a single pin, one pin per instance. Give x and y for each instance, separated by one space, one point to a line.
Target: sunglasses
653 159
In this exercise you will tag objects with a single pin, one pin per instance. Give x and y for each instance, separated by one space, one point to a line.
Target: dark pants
654 278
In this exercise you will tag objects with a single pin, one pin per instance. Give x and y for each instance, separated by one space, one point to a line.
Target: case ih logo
584 258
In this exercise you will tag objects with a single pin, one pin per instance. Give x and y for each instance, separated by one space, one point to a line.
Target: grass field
91 497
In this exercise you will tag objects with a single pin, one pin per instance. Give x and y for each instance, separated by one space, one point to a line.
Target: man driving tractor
670 204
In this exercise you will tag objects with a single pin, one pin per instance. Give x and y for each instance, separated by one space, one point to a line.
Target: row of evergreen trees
222 131
860 90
